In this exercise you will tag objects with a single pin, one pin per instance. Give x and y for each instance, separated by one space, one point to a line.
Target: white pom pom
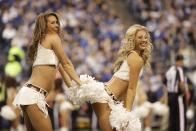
66 106
8 113
91 91
59 97
160 109
121 119
64 129
86 78
190 114
147 105
94 91
141 111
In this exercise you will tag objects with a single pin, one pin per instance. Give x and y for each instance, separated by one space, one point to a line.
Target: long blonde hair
40 32
129 46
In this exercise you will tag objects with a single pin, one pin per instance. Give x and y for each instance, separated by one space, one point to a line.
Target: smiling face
137 38
52 24
141 40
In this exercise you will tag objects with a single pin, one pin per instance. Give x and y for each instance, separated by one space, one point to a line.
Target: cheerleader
112 101
47 55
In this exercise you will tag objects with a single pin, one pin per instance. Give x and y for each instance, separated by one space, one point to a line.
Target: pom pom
121 119
94 91
160 109
66 106
190 114
90 91
143 110
8 113
59 98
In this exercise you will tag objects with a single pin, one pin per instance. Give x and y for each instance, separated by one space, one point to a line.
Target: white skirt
94 91
29 96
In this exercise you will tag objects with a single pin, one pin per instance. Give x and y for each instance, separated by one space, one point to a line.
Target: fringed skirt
29 96
93 92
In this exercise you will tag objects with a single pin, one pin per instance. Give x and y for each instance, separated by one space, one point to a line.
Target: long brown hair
40 32
129 46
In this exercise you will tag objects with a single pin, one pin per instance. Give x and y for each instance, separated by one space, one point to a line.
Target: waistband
42 91
114 98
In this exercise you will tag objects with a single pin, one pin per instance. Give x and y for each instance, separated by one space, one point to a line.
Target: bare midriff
118 87
43 77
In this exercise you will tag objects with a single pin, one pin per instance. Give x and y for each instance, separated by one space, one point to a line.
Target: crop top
45 57
123 71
